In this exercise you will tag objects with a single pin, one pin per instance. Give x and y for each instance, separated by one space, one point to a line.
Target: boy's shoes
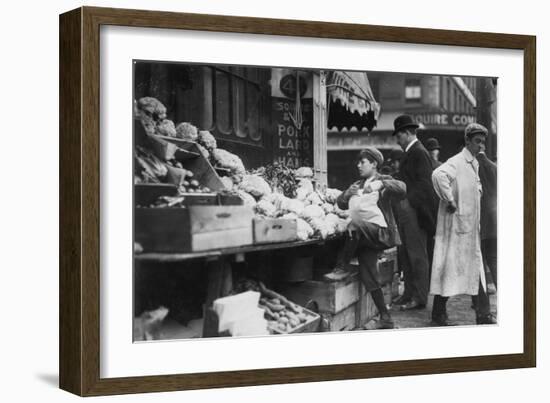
338 274
385 322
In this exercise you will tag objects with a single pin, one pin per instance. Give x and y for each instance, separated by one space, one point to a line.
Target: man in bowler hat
417 221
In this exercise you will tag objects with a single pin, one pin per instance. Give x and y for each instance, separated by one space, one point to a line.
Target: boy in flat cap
458 264
373 224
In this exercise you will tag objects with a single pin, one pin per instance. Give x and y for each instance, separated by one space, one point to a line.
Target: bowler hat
432 144
402 122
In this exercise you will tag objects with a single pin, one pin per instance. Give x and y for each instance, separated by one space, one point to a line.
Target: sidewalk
458 308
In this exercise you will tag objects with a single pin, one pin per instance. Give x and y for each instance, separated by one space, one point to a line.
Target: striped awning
352 90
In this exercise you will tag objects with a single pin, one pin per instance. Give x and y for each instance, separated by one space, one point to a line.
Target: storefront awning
353 102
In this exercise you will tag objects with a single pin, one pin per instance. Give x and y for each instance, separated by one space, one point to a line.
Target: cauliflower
186 131
290 216
225 159
263 207
166 128
278 199
292 206
314 198
152 107
304 172
332 217
207 140
302 194
322 228
332 194
227 183
312 211
304 230
237 178
246 198
149 110
306 184
255 185
328 208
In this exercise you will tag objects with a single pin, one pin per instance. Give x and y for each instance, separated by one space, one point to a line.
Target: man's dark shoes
441 320
412 305
488 319
401 300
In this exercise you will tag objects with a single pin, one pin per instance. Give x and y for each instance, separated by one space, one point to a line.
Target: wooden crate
309 326
193 229
331 297
343 320
270 230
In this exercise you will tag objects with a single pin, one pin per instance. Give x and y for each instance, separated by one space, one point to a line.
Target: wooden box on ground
270 230
329 297
343 320
193 229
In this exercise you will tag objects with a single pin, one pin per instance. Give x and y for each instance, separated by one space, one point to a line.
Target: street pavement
459 310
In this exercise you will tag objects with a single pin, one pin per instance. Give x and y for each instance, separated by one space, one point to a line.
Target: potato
291 316
294 322
283 320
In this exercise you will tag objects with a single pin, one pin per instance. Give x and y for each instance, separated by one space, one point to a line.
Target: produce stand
216 196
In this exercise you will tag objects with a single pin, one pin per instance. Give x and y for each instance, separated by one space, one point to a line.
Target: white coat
457 262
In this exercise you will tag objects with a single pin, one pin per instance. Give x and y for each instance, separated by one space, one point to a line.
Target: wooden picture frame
80 184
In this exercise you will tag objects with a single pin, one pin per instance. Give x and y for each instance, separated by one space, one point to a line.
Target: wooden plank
178 257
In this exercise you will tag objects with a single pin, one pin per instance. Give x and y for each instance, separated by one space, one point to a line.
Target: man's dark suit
417 221
416 171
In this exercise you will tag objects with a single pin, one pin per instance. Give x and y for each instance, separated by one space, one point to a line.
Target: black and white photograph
285 200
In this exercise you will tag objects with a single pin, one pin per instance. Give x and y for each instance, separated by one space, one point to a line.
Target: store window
413 90
235 102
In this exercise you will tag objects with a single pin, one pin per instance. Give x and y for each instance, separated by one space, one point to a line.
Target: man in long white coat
457 263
